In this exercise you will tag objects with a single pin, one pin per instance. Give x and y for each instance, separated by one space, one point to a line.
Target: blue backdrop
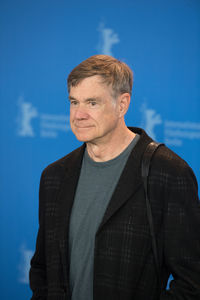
41 41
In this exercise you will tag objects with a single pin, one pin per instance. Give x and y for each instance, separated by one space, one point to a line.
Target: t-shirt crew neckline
115 159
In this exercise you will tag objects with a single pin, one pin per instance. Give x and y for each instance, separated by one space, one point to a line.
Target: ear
123 103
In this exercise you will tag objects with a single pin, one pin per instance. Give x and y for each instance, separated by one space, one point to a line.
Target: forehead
91 86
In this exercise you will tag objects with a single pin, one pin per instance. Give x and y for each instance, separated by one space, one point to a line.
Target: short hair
113 72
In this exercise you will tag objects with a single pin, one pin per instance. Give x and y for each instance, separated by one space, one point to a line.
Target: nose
80 113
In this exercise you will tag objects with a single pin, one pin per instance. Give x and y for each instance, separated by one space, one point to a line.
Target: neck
115 144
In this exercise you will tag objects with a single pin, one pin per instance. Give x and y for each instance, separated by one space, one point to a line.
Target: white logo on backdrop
151 119
174 132
24 266
108 38
27 112
46 126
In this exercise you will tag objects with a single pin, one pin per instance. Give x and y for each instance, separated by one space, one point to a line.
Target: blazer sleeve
182 235
37 274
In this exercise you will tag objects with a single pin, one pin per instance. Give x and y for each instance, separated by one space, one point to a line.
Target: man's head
113 73
99 93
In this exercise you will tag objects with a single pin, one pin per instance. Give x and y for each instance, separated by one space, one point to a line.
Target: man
94 240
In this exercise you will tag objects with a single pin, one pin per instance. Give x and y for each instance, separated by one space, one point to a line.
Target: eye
73 102
92 103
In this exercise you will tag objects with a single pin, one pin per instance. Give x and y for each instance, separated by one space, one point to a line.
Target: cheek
109 116
70 118
71 114
71 121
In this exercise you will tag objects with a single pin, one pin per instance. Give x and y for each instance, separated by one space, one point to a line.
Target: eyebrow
98 99
71 98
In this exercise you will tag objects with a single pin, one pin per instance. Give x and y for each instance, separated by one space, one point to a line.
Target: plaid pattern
124 267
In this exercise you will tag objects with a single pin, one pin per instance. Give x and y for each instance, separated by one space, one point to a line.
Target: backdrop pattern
41 41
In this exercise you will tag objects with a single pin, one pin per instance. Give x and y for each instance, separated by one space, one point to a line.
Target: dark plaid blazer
124 267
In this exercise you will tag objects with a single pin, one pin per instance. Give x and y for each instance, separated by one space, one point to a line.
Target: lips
83 126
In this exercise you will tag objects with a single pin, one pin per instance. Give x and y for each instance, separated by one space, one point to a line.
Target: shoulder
170 169
58 167
165 157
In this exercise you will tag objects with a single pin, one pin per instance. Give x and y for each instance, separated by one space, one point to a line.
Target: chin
84 135
83 138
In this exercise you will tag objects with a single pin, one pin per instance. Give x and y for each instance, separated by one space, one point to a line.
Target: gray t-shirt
96 185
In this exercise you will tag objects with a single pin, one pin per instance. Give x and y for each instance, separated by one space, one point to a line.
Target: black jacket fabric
124 266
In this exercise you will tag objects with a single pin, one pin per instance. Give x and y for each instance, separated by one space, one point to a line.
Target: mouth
83 126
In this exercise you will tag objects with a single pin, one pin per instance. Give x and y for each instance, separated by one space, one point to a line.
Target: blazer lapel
129 181
72 166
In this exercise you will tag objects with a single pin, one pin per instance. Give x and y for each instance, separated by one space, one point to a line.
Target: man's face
93 111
